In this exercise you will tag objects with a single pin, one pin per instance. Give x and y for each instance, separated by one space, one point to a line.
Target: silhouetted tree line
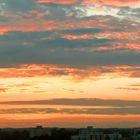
57 134
14 135
61 134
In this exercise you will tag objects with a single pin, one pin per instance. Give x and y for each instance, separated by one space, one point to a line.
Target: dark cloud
135 89
29 47
79 102
34 33
16 56
20 5
82 31
93 111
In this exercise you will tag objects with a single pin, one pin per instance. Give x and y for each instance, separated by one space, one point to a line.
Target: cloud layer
69 33
74 106
78 102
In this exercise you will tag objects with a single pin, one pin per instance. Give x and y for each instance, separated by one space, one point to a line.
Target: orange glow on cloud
35 70
74 37
46 70
109 35
119 3
37 13
33 82
131 46
3 30
23 26
2 90
47 25
57 1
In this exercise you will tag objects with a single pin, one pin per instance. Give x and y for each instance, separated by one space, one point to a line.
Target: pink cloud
118 3
35 70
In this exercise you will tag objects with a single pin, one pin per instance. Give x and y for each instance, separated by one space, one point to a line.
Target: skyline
64 61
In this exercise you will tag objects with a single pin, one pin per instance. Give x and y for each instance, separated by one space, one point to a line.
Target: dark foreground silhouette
57 134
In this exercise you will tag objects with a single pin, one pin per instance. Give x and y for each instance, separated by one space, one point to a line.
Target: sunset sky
70 63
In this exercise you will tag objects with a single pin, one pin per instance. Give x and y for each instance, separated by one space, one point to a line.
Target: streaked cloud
66 70
135 87
118 3
73 106
2 90
87 111
79 102
129 88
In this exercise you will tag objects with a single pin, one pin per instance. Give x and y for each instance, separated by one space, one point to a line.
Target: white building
88 134
136 134
137 137
114 136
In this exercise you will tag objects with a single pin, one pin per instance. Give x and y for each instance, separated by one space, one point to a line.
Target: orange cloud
45 70
129 45
111 35
107 35
37 13
35 25
75 37
118 3
56 1
35 70
135 74
40 24
3 30
3 89
118 35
